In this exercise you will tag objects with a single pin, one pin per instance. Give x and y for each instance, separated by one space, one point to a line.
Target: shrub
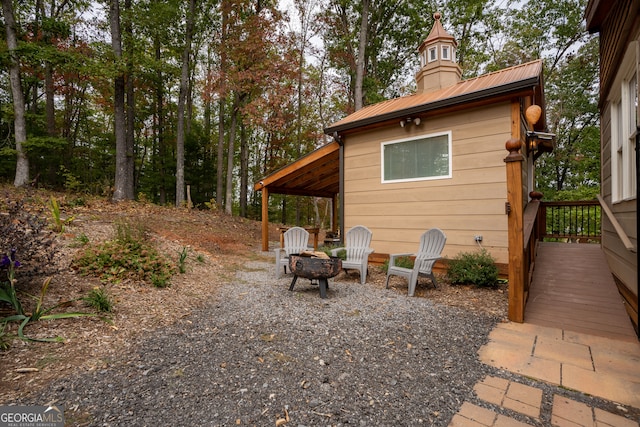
128 256
476 268
403 261
99 300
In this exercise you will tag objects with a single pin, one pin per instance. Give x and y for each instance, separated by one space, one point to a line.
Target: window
433 54
445 53
624 105
425 157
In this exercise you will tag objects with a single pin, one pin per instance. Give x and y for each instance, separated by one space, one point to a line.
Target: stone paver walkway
527 400
601 367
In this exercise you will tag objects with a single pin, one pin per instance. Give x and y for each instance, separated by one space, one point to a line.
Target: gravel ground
261 355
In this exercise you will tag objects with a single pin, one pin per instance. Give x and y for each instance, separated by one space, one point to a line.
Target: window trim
445 48
413 138
622 133
434 50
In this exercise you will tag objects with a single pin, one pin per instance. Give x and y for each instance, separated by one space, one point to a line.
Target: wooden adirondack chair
431 244
357 244
296 240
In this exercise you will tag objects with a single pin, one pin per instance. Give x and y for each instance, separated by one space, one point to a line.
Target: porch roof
315 174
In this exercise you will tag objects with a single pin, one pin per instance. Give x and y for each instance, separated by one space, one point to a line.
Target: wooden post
514 210
265 219
334 213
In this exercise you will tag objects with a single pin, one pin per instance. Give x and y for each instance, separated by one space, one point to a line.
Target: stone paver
564 352
524 399
601 367
607 419
567 412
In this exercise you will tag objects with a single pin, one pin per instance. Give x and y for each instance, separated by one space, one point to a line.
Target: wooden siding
617 29
470 203
620 27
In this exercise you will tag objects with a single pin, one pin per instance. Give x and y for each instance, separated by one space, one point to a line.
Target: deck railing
572 222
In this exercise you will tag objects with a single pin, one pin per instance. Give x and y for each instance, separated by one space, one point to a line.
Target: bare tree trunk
160 130
223 69
361 51
119 191
19 123
220 160
130 109
228 200
244 170
184 87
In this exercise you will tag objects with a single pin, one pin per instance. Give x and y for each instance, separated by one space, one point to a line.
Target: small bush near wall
476 268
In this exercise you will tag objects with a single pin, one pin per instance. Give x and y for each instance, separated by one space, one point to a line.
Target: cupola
438 66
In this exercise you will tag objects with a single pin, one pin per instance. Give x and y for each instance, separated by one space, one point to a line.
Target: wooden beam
265 219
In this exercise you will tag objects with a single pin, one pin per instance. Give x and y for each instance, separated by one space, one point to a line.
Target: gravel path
259 353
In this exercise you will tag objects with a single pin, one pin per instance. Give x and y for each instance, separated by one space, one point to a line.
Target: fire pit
314 268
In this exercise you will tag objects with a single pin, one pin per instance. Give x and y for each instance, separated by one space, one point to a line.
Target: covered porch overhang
316 174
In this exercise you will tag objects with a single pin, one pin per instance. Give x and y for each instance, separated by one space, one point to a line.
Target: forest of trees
142 98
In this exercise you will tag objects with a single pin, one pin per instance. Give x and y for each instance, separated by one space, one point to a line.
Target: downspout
338 139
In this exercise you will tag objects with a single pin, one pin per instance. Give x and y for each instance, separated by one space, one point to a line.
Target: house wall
620 27
470 203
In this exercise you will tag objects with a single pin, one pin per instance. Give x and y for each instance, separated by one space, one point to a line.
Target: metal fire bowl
314 268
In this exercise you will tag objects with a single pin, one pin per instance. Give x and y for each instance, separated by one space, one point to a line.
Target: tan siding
469 194
470 203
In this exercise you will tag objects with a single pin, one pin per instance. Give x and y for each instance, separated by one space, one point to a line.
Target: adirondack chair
431 244
357 242
296 240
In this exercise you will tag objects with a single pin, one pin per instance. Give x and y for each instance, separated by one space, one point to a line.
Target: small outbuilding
436 158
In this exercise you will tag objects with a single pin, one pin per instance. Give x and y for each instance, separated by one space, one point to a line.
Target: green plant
58 223
79 241
342 254
5 338
41 313
99 299
403 261
182 259
476 268
200 258
71 182
211 204
128 256
8 292
128 233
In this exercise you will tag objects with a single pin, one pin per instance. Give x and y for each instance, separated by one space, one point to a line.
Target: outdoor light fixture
409 121
535 138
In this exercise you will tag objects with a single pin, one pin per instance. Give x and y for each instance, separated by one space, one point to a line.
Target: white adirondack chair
431 244
296 240
357 244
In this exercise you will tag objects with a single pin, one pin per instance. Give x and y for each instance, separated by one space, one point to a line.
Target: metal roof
503 82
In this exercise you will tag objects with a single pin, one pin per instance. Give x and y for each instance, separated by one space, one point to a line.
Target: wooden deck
572 289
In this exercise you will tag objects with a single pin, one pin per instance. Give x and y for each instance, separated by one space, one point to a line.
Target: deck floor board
572 289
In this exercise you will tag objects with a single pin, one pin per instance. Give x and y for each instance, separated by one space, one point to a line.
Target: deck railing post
517 271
